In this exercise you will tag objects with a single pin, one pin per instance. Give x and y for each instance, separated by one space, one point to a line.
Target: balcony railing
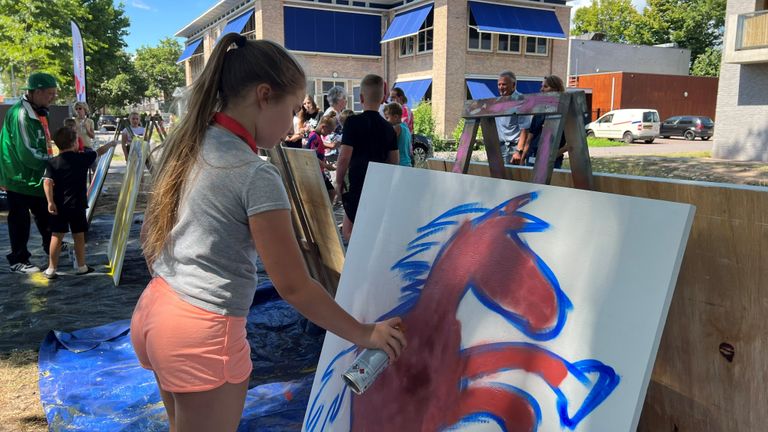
752 30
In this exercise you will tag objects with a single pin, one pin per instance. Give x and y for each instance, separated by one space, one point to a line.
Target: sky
153 20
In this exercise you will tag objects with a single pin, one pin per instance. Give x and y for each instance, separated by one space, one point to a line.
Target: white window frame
403 42
546 44
323 93
353 101
427 30
470 28
249 30
509 41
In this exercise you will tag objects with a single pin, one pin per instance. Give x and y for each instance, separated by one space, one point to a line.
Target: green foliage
693 24
423 122
708 64
158 66
36 35
615 18
456 135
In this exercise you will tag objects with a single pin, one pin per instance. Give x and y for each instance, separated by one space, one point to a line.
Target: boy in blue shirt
393 112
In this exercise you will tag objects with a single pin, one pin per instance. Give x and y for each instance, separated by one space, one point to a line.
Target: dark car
108 123
688 127
422 150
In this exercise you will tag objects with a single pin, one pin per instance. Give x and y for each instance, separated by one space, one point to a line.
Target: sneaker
84 269
24 268
50 273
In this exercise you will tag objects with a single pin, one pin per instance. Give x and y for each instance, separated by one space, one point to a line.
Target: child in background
134 129
65 190
347 113
72 124
315 142
393 112
367 138
215 206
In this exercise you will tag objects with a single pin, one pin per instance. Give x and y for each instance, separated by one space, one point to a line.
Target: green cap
40 80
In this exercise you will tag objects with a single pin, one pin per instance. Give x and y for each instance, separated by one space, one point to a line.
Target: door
668 127
603 126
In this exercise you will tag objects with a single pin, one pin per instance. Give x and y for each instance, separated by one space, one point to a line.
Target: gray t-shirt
509 127
209 258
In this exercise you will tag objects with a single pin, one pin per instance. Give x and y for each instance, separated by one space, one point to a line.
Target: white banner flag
78 57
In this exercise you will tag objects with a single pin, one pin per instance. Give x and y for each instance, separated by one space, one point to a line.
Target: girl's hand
386 336
52 209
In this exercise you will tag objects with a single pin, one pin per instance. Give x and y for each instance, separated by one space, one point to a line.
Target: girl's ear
263 93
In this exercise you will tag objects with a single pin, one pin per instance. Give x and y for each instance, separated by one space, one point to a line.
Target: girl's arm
275 243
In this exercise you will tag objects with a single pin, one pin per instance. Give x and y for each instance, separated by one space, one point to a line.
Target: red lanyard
44 123
236 128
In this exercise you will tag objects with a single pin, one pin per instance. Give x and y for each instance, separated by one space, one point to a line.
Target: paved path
660 146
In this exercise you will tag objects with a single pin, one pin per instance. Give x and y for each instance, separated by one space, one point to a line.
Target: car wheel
590 134
627 137
419 156
649 141
704 138
689 135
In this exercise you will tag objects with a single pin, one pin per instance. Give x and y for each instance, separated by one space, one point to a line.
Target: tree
615 18
125 88
36 35
693 24
158 66
707 64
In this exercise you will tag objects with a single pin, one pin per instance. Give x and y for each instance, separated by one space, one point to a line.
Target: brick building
446 51
741 129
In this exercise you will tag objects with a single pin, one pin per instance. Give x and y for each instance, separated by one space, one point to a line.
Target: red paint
421 391
539 362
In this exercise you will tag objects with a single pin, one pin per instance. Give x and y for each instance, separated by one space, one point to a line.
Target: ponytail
235 65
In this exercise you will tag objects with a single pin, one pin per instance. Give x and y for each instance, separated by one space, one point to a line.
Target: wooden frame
565 115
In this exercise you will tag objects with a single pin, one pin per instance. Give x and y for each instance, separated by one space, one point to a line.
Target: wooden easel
312 213
565 114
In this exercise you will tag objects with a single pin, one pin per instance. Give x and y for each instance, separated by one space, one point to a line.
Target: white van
627 124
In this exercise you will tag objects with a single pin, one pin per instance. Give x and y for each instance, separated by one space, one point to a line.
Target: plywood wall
712 366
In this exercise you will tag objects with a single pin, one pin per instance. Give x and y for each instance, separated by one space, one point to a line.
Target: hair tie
240 42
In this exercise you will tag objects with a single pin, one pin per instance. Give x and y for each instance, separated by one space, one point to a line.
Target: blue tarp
327 31
90 380
523 21
406 23
488 88
189 50
236 25
414 90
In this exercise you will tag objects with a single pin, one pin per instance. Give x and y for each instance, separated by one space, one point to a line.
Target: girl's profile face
275 119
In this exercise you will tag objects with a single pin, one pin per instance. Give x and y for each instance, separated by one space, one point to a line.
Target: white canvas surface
615 258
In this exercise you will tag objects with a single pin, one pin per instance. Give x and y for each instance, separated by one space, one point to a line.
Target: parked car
107 123
688 127
422 150
626 124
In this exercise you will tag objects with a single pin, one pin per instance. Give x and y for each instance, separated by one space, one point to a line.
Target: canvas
126 202
94 189
526 307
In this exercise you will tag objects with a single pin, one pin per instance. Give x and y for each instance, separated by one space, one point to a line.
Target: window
420 43
406 46
425 34
327 85
249 31
357 106
509 43
536 46
196 65
478 41
606 119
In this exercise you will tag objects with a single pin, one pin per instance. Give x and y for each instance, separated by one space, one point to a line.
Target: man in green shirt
24 153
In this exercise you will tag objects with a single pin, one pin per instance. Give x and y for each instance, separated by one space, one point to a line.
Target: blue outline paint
489 417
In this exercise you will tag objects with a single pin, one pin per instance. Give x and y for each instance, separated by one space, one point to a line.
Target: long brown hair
235 65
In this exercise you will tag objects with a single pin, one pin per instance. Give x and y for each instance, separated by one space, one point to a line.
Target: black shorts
69 219
350 200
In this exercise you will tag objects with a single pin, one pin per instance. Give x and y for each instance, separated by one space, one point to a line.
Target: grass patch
20 408
604 142
697 155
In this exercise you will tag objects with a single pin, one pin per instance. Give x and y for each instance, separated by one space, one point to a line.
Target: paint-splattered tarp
90 380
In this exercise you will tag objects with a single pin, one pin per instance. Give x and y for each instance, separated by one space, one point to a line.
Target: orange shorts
190 349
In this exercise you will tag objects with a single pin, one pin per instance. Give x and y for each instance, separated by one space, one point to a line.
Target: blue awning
330 31
488 88
414 90
496 18
236 25
189 50
406 24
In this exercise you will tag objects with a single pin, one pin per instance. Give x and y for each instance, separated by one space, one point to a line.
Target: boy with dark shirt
367 138
65 189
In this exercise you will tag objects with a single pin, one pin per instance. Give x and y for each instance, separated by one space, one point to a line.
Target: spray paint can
365 369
